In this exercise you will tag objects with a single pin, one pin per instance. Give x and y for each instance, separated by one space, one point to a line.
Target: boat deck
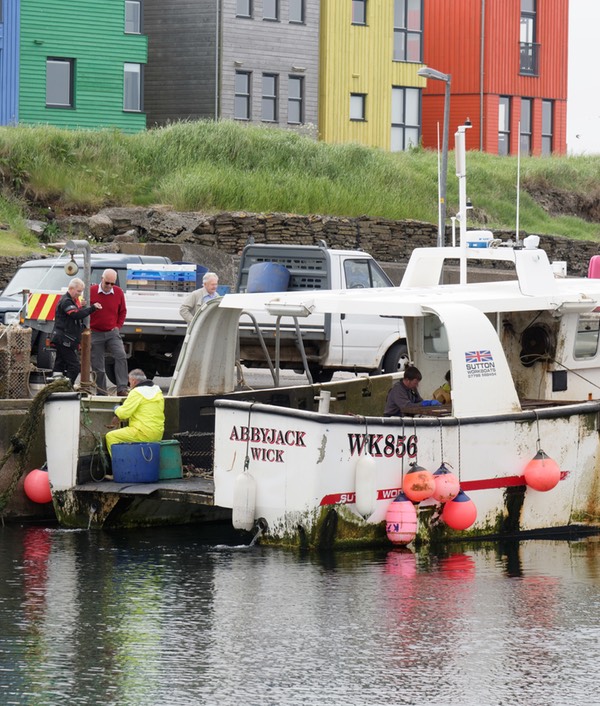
177 489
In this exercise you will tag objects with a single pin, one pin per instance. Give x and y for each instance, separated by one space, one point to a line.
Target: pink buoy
418 483
401 520
37 486
460 513
447 485
542 473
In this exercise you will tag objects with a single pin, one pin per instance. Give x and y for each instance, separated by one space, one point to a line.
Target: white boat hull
304 463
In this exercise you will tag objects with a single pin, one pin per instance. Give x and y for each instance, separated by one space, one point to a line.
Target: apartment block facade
508 66
72 64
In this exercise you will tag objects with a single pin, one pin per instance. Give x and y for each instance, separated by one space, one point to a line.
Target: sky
583 99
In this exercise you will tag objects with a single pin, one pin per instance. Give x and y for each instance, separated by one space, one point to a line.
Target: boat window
435 339
586 340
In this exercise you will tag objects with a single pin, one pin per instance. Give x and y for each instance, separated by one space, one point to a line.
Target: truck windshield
44 277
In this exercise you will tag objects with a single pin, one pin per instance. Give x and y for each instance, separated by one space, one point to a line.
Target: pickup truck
335 342
154 288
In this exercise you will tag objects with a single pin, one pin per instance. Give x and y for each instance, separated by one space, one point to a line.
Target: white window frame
133 19
132 88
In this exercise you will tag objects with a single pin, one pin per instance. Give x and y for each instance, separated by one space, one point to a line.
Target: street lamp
427 72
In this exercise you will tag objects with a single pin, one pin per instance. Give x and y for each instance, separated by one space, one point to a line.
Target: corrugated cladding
91 33
453 37
359 59
180 78
9 63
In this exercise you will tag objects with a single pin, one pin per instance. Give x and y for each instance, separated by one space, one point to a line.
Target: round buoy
365 490
401 520
542 473
460 513
244 502
418 483
447 484
37 486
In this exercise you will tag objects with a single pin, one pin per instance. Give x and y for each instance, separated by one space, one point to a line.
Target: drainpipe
217 53
481 75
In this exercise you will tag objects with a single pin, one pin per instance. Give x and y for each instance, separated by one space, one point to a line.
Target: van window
364 274
51 278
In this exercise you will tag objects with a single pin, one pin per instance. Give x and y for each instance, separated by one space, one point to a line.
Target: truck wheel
395 359
321 374
44 356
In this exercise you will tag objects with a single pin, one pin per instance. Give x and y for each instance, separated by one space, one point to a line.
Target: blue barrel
136 462
267 277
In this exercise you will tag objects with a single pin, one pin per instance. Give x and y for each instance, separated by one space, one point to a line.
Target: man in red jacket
106 324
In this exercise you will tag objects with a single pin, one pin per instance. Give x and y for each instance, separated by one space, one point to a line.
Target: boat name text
267 435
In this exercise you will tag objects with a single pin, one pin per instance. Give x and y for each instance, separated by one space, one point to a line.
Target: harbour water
173 617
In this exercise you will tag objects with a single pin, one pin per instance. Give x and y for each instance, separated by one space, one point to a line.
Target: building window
504 126
132 87
408 30
59 83
296 10
133 16
547 122
406 111
269 98
357 106
359 12
270 9
525 133
241 101
295 100
243 8
529 48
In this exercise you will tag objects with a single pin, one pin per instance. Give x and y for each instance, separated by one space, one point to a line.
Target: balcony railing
529 59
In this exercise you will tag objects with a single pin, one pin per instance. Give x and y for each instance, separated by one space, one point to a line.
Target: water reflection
172 616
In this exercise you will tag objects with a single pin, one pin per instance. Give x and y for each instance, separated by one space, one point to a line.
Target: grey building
255 61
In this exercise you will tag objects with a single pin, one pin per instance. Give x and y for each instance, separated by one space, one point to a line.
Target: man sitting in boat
404 394
144 408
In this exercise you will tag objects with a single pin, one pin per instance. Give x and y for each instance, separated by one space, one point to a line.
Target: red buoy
401 520
37 486
460 513
542 473
447 484
418 483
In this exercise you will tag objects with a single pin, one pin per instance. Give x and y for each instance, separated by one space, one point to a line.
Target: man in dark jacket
68 327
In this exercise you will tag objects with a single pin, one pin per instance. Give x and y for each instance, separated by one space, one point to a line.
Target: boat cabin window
588 332
435 339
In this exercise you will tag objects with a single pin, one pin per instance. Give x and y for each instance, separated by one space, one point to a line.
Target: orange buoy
542 473
460 513
37 486
418 483
401 520
447 485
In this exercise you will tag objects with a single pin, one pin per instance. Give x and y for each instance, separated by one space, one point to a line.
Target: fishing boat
319 465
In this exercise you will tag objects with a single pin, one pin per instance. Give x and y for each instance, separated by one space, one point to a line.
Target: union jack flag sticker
478 357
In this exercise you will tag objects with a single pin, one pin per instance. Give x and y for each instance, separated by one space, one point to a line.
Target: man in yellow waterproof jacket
144 409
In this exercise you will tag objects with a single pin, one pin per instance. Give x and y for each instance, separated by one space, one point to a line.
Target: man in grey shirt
193 302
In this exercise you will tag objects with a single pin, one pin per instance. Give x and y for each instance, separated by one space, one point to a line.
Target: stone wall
216 240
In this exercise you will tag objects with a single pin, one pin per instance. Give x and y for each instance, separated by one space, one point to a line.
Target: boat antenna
518 183
461 173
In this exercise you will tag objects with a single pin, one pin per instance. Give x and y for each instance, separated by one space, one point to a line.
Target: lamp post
427 72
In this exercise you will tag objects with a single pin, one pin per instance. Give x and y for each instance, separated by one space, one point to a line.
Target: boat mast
461 173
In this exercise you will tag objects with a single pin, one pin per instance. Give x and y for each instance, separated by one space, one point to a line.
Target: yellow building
369 91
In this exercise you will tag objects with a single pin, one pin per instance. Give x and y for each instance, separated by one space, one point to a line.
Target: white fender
364 485
244 502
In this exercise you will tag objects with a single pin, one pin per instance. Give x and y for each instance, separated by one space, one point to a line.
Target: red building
507 60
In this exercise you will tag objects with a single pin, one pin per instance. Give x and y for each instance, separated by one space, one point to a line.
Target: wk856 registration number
386 445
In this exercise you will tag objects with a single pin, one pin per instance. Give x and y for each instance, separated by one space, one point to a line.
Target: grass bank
207 166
